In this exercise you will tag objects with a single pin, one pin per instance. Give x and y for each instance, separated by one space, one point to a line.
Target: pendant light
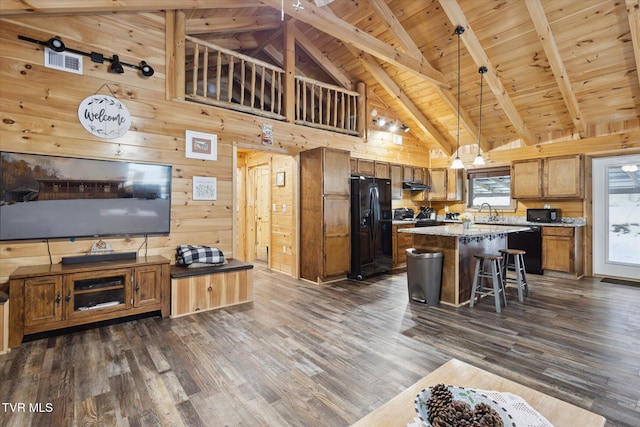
479 160
457 163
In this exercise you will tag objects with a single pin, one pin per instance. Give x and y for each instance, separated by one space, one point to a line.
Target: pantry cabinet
325 214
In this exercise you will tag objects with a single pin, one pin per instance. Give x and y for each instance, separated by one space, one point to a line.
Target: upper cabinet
446 184
551 177
382 170
396 182
564 177
526 179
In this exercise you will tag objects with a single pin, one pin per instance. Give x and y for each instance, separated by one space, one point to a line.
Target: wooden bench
209 288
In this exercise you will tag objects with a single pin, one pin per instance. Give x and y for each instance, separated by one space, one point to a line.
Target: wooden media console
55 296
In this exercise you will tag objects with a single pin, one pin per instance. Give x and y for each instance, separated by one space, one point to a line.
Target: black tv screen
47 197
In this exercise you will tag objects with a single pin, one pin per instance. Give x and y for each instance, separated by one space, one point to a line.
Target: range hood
414 186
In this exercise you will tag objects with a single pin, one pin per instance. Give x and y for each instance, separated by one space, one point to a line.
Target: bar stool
514 259
494 273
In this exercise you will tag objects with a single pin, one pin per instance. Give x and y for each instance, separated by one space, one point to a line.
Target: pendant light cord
459 31
481 70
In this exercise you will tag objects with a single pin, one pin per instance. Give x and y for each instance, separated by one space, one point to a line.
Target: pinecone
486 416
440 401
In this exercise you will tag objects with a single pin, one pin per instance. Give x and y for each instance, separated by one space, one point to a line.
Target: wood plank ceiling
557 69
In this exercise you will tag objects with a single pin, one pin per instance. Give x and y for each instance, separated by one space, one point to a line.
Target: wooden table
400 411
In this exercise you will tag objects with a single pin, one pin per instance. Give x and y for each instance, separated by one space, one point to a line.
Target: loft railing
224 78
326 106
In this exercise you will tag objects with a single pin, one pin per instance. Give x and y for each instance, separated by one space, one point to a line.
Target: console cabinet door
43 302
147 286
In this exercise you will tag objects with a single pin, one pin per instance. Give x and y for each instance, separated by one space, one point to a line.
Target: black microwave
543 215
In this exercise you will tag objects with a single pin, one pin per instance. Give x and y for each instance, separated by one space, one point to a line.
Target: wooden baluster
304 101
194 79
253 85
230 86
242 81
273 90
205 69
320 119
262 95
218 75
328 122
342 111
335 109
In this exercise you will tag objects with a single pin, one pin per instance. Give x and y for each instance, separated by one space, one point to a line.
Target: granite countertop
457 230
518 220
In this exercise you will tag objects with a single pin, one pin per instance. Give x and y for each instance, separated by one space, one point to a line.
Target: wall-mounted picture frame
205 188
280 179
199 145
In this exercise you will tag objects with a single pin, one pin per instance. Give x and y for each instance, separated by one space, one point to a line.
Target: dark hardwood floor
326 355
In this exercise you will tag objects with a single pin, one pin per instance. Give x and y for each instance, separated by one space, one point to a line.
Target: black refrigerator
371 218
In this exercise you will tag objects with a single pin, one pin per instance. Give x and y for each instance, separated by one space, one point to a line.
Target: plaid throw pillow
189 254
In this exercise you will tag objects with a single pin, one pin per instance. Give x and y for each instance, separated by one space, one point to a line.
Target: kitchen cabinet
366 167
396 182
446 184
48 297
382 170
561 250
401 242
550 177
526 179
419 175
407 173
325 214
563 177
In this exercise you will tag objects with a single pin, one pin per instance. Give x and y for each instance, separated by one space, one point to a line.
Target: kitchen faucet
490 211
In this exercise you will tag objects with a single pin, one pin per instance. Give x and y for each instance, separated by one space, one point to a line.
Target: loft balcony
224 78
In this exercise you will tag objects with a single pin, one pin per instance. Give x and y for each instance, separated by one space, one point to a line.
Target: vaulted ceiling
557 69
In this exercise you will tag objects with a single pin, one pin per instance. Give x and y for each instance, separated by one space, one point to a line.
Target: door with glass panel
616 216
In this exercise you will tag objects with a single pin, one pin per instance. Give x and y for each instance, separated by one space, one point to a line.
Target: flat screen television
49 197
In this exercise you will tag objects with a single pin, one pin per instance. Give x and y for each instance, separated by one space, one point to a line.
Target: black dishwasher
531 242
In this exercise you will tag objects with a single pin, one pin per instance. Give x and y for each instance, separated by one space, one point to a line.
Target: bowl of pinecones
450 406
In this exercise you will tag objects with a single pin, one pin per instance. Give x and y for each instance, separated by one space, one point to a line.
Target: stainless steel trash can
424 275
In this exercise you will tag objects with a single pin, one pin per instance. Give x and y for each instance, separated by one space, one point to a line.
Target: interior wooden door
262 219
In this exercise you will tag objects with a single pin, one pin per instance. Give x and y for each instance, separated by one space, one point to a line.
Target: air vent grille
63 61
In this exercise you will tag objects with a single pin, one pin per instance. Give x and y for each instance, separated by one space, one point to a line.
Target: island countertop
457 230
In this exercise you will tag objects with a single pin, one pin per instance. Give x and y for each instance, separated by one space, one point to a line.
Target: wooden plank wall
38 107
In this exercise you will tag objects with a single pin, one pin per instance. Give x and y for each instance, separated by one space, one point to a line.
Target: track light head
146 69
116 66
56 44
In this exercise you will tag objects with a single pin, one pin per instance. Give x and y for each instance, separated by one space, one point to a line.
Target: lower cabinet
561 250
49 297
401 242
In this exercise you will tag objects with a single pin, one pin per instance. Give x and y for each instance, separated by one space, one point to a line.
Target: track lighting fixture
56 44
146 69
116 67
457 162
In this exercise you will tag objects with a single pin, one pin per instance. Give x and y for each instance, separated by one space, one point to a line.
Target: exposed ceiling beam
322 60
541 24
386 14
404 102
236 24
325 21
403 37
633 13
21 7
278 57
456 16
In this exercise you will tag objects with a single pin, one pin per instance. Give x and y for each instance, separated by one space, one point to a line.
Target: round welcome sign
104 116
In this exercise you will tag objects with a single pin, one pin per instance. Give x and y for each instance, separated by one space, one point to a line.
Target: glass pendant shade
479 160
457 163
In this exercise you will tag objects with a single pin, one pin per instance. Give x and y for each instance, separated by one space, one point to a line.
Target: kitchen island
459 245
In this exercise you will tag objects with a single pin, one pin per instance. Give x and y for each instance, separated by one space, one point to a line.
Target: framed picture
205 188
280 179
201 145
